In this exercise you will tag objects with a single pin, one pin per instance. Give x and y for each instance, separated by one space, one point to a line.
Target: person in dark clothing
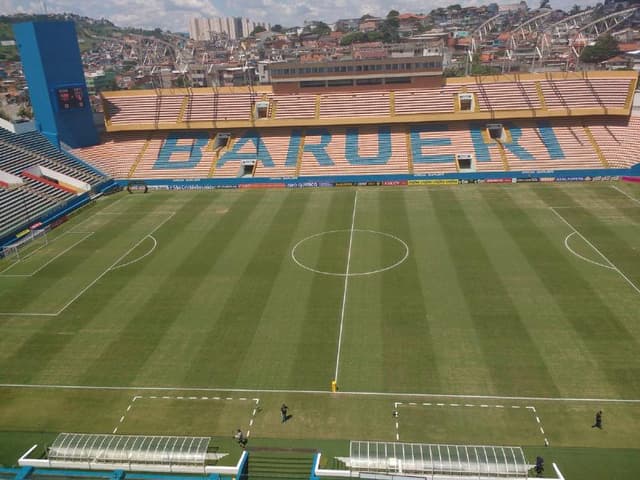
240 438
283 412
539 468
598 423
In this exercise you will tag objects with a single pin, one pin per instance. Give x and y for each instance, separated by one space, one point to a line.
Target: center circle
345 239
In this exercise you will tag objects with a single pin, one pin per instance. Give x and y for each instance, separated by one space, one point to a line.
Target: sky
174 14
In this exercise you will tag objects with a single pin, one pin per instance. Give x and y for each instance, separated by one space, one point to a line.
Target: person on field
598 423
240 438
283 412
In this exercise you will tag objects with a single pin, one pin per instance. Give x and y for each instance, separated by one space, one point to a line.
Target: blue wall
51 59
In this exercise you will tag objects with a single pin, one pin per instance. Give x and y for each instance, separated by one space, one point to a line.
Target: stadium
438 277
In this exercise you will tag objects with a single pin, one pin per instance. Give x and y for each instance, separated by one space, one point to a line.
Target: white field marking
320 392
13 263
532 408
155 244
87 235
633 285
568 247
57 237
96 280
346 286
633 199
115 203
557 470
155 397
351 274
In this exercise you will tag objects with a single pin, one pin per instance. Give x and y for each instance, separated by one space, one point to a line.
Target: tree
258 29
605 47
574 10
277 28
393 13
321 28
389 29
544 3
25 112
360 37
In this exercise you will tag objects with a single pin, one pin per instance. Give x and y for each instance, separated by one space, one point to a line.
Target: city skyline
174 15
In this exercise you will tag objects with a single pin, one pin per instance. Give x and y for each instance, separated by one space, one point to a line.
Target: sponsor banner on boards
499 180
261 185
345 184
394 183
441 181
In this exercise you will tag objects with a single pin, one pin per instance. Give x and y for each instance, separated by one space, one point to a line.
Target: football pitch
498 315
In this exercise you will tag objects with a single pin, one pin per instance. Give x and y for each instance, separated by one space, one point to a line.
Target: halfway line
346 285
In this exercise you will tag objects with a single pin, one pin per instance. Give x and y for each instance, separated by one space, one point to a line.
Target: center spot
372 252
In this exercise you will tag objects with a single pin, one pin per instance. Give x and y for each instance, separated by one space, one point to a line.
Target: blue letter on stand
418 143
513 146
294 147
384 147
258 152
170 146
550 140
482 149
318 150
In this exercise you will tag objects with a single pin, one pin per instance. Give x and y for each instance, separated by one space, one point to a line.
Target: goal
27 245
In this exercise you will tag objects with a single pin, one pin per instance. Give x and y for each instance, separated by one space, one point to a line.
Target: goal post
26 245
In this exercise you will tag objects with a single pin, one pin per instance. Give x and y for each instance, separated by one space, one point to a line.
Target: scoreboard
70 98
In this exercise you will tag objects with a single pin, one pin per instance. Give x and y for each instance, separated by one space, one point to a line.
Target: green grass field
483 314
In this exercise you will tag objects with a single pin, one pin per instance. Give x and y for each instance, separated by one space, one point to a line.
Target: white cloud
174 14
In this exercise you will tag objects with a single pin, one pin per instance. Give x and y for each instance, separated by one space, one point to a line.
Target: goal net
27 245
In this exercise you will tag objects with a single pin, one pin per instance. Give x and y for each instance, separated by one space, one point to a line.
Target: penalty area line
613 266
94 281
633 199
123 256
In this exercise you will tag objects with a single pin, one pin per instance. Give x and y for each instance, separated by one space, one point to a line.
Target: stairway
279 464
